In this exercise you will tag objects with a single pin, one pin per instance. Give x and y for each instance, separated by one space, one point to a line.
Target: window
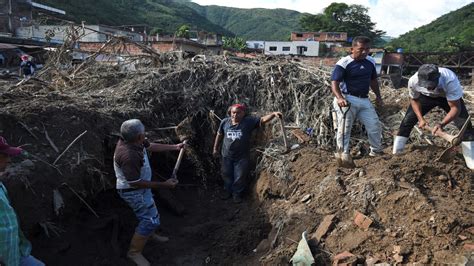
285 48
273 48
299 35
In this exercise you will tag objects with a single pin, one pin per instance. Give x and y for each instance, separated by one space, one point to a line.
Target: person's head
133 131
237 112
6 152
360 47
428 76
24 57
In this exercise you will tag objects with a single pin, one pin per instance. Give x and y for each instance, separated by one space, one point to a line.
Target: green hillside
166 15
252 24
449 33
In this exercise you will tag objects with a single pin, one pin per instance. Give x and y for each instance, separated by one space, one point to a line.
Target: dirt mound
67 118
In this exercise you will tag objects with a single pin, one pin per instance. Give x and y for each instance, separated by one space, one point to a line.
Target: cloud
393 16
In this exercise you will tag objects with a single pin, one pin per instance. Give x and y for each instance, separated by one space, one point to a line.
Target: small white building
255 44
306 48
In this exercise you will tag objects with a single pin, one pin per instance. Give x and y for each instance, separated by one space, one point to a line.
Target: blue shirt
354 75
236 143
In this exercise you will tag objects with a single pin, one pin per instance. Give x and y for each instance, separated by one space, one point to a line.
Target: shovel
454 140
342 159
283 132
178 162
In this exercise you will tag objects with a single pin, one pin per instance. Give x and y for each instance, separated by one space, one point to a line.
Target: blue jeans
234 173
362 109
30 261
142 203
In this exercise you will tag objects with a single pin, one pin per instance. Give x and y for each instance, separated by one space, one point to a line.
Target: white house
255 44
306 48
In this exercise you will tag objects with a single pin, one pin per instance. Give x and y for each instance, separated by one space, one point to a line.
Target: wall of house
291 48
319 36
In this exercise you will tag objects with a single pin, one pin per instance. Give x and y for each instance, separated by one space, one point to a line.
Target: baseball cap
428 76
7 149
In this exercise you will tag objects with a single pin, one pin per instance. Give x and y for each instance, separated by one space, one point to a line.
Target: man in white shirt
434 86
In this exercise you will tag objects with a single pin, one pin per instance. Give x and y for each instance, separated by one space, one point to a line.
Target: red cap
238 106
24 57
7 149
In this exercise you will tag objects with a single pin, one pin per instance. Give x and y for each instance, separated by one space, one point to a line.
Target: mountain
163 15
167 15
254 23
449 33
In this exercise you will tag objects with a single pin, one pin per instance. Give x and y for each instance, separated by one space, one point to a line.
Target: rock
28 163
306 198
361 173
462 237
469 246
344 259
442 178
323 227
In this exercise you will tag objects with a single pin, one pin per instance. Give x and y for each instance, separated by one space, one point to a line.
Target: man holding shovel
133 172
351 79
435 86
234 133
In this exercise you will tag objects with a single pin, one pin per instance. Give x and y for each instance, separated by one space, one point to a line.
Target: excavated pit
421 210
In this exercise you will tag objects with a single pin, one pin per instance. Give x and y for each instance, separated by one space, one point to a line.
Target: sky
396 17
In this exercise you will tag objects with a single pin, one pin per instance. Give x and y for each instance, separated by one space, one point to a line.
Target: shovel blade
448 154
344 160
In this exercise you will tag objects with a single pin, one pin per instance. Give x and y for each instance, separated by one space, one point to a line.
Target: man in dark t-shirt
234 133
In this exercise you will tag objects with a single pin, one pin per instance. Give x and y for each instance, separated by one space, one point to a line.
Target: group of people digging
352 78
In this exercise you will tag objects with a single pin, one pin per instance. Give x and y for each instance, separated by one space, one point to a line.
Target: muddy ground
420 207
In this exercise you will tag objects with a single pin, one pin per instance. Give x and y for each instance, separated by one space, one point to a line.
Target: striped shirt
13 243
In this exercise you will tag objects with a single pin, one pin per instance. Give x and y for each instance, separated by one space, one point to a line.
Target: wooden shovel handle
178 162
283 132
439 133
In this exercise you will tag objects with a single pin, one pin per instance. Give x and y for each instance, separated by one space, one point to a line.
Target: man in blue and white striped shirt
351 79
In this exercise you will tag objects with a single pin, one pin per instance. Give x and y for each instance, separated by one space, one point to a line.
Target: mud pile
416 203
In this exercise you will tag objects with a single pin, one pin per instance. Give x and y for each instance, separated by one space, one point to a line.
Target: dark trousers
427 103
234 173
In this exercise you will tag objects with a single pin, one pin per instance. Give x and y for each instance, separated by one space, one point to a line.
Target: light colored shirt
448 87
13 244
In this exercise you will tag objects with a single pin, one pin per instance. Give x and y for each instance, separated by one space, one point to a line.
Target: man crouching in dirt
15 249
236 131
351 78
435 86
133 172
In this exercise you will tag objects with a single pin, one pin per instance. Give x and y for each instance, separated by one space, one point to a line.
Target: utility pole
10 17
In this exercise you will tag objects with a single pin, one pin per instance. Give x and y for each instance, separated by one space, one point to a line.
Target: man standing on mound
234 133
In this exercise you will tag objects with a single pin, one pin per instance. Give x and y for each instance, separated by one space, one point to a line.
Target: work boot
373 153
158 239
468 153
136 248
399 144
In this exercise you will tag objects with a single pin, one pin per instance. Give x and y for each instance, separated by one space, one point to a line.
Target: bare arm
157 147
341 101
217 142
416 106
450 116
269 117
374 85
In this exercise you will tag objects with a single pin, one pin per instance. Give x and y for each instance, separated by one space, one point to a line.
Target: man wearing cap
433 86
15 249
234 133
133 173
351 80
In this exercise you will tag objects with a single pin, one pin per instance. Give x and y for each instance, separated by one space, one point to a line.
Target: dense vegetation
162 16
340 17
254 23
449 33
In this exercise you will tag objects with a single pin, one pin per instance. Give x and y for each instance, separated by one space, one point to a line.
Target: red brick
469 246
324 227
345 259
362 221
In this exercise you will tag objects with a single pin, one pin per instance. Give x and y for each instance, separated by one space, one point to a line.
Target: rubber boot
158 239
468 153
136 248
399 144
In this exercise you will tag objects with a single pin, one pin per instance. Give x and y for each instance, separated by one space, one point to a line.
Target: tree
234 43
183 32
341 17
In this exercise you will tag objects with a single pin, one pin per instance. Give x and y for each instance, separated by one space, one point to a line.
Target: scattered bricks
324 227
362 221
470 230
469 246
345 259
301 136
